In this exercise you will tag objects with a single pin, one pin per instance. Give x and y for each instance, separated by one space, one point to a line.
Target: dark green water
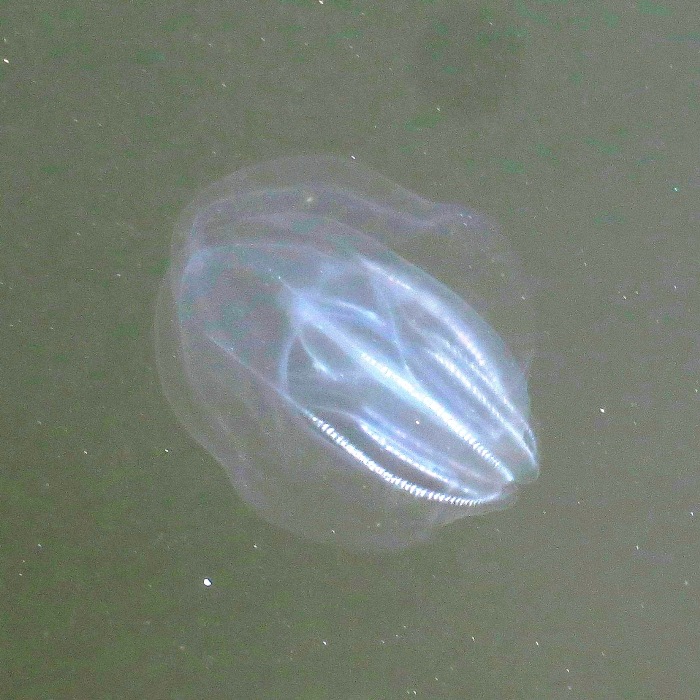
572 124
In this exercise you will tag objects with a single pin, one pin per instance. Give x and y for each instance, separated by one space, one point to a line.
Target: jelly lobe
351 396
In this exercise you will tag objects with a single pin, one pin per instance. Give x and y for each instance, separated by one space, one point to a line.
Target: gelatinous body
351 395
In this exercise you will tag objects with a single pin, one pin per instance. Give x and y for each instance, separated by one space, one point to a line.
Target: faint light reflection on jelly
329 337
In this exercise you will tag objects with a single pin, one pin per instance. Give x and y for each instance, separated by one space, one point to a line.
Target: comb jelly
338 344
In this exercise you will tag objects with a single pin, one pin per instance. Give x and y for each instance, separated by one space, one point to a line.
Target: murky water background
131 568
